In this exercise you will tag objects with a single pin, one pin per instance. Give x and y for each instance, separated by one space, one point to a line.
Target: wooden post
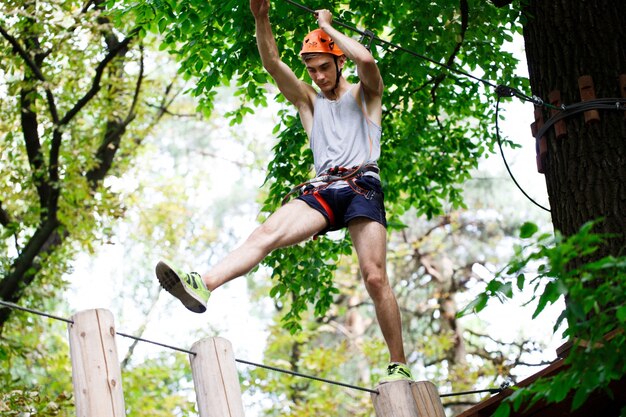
96 372
215 378
427 399
407 399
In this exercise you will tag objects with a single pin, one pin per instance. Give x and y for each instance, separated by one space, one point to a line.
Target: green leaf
521 280
503 410
528 229
579 398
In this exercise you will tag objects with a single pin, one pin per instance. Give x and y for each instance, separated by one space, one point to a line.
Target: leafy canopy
436 124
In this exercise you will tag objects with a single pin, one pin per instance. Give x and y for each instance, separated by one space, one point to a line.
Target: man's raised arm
368 71
292 88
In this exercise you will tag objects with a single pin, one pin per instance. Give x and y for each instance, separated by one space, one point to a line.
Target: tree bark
585 169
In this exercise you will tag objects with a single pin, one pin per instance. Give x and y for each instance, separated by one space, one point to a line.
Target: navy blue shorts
363 198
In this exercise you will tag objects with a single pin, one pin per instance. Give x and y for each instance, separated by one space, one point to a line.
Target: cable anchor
370 36
505 91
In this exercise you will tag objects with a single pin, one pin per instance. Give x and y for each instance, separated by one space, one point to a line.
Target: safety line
372 36
478 391
29 310
271 368
245 362
595 104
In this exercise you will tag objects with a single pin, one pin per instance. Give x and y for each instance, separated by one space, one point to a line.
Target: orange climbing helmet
318 41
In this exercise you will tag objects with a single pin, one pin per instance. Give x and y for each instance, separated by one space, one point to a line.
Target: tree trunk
586 168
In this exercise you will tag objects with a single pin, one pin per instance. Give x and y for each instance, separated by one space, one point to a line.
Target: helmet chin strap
338 73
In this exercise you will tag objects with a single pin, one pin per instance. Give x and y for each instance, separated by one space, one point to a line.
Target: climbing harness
332 175
350 175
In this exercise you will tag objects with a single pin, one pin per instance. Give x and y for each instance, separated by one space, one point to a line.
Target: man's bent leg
369 239
290 224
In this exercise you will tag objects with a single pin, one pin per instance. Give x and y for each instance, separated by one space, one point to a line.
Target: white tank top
341 133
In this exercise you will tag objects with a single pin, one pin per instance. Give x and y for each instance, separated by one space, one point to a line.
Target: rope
371 36
242 361
271 368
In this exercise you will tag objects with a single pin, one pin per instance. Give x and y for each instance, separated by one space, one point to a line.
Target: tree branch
23 270
35 69
464 8
23 54
95 84
5 219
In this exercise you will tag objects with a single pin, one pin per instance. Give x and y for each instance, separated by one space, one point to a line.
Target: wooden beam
96 372
407 399
215 378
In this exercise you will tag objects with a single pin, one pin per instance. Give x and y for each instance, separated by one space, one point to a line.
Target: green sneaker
190 289
397 371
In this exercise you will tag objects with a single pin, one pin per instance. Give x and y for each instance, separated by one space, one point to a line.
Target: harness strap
333 174
325 206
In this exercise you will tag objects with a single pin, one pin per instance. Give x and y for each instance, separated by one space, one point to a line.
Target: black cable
157 343
371 36
506 163
40 313
596 104
271 368
479 391
28 310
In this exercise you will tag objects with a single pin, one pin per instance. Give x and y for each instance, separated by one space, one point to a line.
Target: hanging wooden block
587 92
541 144
622 87
560 129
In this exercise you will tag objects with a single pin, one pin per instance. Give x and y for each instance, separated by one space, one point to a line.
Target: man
342 122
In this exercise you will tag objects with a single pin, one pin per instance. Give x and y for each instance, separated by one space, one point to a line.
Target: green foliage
159 387
595 306
76 102
19 402
36 374
73 114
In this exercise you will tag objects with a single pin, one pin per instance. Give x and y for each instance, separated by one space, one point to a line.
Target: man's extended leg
369 239
290 224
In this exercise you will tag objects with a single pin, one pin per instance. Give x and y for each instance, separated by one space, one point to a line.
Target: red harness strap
325 206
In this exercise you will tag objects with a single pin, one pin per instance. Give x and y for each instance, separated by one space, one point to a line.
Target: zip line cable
245 362
372 36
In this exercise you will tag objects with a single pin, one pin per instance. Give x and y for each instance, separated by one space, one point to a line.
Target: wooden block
96 372
560 129
541 144
588 92
215 378
408 399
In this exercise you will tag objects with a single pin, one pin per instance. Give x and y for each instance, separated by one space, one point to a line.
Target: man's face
322 70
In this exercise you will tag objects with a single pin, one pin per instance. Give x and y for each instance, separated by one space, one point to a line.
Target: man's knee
376 283
264 237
